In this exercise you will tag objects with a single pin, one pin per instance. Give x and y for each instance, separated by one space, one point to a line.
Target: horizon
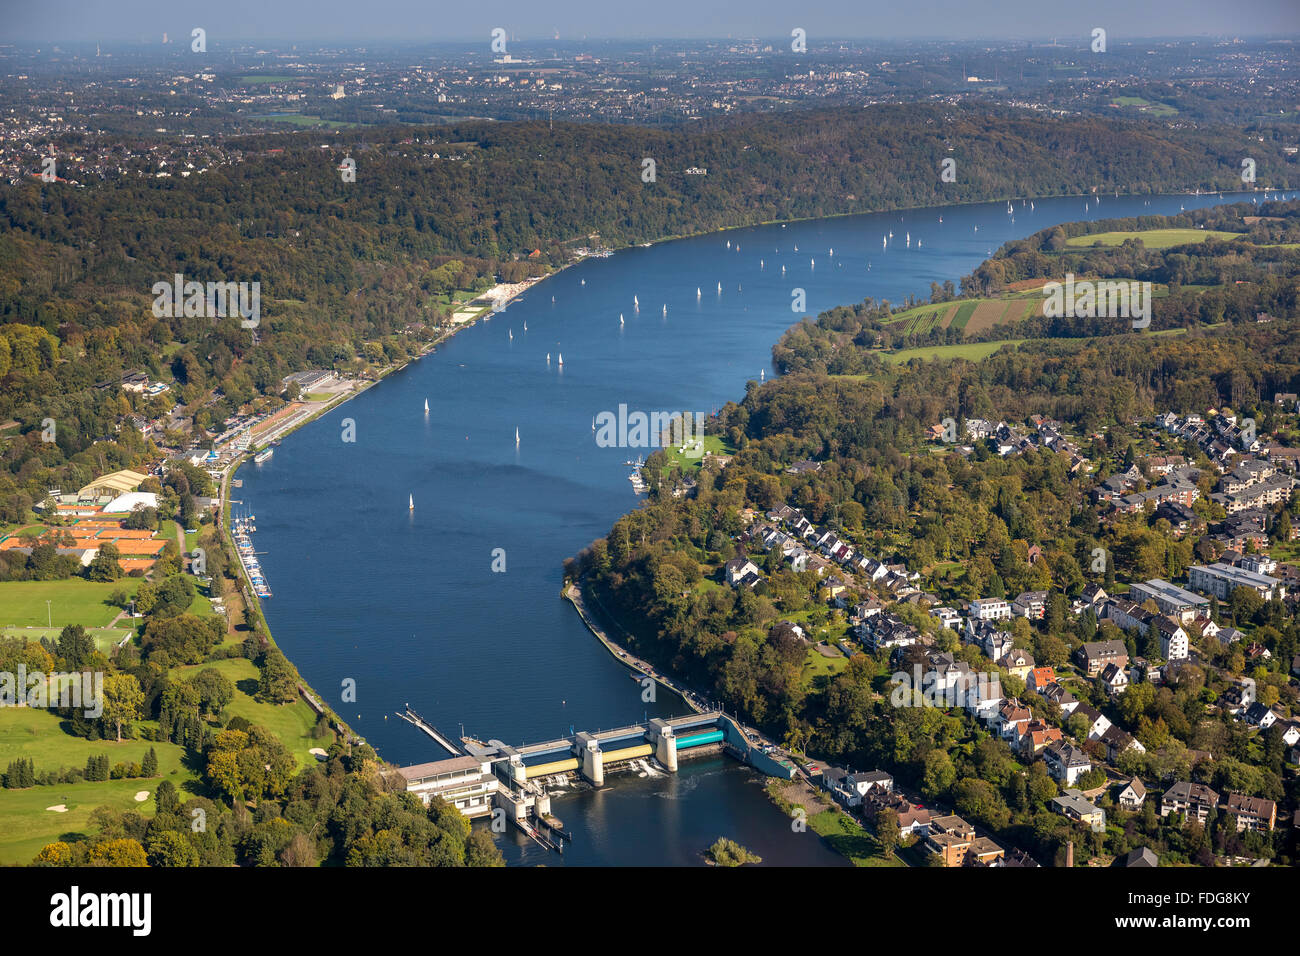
398 21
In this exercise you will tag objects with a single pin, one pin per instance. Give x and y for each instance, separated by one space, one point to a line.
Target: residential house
1095 655
1115 679
1140 858
1193 800
1173 639
1066 762
990 609
1039 678
1017 663
1132 795
1251 813
1074 805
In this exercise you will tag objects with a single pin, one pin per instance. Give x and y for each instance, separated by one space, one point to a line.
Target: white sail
698 293
426 406
411 505
548 358
516 435
561 358
665 309
620 320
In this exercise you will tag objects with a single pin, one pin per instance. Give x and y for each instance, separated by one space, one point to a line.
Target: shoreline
445 334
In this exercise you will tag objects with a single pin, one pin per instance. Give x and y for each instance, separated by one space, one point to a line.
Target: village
1067 714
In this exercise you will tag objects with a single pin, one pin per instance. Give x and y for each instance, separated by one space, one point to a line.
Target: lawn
1146 106
1151 238
74 601
106 638
25 824
851 840
712 444
291 723
972 351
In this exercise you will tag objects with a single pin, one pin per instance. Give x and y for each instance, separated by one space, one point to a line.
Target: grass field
106 638
74 601
25 823
1151 238
1146 106
971 351
712 444
850 839
292 723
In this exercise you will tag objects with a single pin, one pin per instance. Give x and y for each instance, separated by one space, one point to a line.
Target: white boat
783 270
525 325
583 282
830 252
761 264
560 358
941 220
1009 209
511 334
620 320
698 293
909 240
918 243
548 358
728 243
665 309
263 455
762 374
884 242
426 406
796 248
636 303
812 263
719 288
411 505
516 436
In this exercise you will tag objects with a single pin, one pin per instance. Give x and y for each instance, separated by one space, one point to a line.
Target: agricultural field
1151 238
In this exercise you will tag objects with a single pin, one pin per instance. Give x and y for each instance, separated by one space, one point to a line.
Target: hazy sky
411 20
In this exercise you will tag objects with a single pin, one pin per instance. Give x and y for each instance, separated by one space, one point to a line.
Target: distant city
180 101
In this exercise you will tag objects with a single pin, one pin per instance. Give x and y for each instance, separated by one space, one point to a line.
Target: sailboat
620 320
719 288
560 358
1031 206
891 234
918 243
941 220
884 242
783 270
698 293
516 436
411 506
583 282
761 264
830 252
812 263
426 406
548 358
909 240
525 325
636 303
1009 209
728 243
762 374
665 308
796 248
511 334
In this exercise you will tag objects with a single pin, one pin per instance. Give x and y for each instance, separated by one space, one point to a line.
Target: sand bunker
58 808
142 796
318 753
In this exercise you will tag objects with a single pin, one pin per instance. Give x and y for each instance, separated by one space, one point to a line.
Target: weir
494 778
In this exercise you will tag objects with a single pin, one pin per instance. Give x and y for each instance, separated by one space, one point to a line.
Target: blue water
406 602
